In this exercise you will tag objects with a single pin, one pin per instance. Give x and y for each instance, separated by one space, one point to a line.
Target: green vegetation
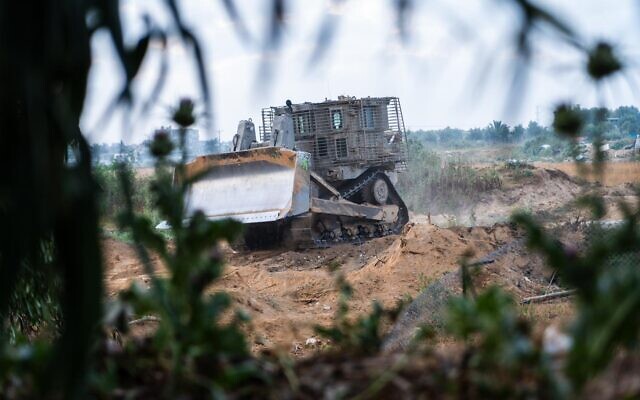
547 146
111 199
51 266
501 358
198 352
519 170
618 127
193 351
436 185
34 308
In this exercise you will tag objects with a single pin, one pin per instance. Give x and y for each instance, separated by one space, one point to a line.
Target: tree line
615 124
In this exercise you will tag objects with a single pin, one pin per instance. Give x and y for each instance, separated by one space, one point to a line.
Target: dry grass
552 312
616 173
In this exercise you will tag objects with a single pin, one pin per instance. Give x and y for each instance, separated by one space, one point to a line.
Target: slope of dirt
534 190
542 190
615 173
123 268
510 266
287 293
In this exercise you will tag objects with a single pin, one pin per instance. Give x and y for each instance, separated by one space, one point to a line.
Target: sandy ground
287 293
615 173
545 191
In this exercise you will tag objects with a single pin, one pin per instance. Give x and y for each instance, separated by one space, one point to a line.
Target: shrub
193 351
435 185
519 169
557 149
112 200
34 307
501 359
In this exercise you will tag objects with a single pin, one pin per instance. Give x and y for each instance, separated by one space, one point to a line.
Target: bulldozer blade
258 185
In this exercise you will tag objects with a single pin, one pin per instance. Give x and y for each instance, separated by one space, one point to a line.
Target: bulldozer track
361 183
380 229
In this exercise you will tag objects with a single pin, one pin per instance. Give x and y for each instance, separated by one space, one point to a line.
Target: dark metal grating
348 131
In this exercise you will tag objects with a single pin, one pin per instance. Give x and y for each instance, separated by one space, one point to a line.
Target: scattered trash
555 342
312 342
296 348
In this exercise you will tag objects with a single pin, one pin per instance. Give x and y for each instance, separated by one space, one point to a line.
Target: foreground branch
146 318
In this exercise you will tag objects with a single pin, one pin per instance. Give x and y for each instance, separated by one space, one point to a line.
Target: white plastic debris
555 342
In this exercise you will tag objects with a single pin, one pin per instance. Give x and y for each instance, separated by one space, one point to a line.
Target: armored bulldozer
313 175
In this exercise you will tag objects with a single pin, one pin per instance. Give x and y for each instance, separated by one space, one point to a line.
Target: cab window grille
304 123
341 148
368 117
322 147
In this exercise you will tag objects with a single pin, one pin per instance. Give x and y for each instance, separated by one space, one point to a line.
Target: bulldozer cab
345 136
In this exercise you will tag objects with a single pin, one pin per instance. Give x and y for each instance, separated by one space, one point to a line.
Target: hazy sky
456 70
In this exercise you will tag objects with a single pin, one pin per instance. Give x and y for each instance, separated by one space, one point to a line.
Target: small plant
605 281
202 354
500 359
34 307
522 173
424 281
519 169
111 197
606 290
333 265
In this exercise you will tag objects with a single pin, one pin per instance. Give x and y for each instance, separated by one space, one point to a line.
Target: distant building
139 154
192 144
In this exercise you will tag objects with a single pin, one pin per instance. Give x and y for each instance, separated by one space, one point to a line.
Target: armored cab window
304 123
368 117
322 147
341 148
336 119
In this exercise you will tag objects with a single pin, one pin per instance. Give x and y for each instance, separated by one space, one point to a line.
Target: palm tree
498 131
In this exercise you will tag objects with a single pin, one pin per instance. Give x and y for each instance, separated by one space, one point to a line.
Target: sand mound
287 293
535 190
